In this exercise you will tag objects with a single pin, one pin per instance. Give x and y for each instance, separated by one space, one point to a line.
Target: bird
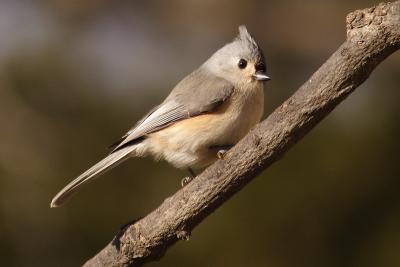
204 115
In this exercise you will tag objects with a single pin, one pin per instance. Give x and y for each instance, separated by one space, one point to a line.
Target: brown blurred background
75 75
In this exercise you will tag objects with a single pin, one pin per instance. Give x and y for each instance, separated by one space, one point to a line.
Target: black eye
242 63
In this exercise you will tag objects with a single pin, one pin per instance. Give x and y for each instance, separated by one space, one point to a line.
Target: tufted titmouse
208 112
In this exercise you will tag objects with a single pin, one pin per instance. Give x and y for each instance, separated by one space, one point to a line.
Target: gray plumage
101 167
168 130
207 93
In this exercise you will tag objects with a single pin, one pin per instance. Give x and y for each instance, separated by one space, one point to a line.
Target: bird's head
239 61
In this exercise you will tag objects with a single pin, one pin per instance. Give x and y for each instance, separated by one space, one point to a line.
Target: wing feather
198 93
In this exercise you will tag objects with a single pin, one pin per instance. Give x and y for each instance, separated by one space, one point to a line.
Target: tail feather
101 167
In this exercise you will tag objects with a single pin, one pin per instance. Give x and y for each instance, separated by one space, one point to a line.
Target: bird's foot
221 150
186 180
221 153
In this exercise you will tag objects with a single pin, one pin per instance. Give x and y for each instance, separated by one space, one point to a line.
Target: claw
221 153
186 180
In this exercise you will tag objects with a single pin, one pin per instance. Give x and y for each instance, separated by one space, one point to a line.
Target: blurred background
76 75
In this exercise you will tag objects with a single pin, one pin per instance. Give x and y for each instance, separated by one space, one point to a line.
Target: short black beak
261 76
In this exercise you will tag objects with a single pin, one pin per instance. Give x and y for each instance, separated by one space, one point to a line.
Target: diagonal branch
372 35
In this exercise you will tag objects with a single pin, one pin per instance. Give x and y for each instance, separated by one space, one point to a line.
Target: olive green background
75 75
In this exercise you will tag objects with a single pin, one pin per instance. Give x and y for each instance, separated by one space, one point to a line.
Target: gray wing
200 92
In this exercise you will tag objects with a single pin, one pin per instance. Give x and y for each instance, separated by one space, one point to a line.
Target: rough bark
372 35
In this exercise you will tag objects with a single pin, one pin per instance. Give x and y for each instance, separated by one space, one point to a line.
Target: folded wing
198 93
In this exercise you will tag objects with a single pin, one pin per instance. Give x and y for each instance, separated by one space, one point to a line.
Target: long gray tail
101 167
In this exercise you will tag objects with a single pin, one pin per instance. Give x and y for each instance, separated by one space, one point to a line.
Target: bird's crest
245 37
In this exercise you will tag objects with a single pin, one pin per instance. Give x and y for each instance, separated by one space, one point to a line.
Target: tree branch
372 35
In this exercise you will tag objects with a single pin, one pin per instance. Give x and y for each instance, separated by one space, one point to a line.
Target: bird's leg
221 150
189 178
192 173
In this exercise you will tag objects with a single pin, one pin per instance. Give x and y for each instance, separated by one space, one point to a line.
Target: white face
236 64
244 68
